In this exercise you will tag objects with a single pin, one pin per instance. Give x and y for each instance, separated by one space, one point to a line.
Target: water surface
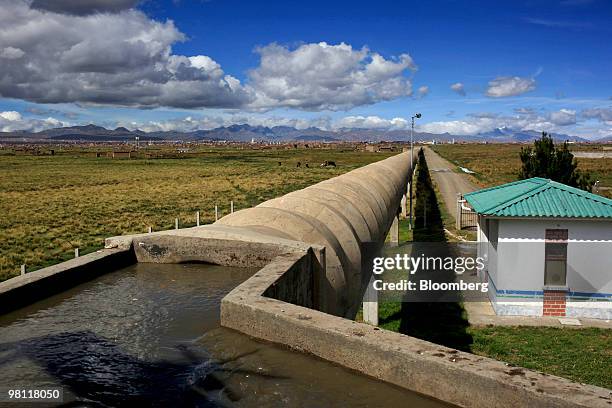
149 335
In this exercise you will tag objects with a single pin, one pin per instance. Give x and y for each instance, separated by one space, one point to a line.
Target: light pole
417 116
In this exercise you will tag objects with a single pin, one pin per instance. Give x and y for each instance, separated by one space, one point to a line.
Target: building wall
589 254
518 275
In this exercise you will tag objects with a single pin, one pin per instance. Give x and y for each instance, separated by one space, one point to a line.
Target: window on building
555 257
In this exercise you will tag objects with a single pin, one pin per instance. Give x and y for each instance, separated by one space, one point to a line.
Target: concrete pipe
350 215
299 227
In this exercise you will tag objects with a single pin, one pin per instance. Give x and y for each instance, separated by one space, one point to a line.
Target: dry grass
499 163
52 204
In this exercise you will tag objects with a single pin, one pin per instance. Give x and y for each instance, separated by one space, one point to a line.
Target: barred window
555 255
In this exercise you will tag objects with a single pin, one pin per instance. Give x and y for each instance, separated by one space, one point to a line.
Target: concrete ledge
449 375
34 286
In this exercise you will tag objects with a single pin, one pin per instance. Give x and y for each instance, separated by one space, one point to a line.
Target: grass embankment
52 204
582 355
496 164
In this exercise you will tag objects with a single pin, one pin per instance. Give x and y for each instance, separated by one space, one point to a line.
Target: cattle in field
280 164
328 163
299 164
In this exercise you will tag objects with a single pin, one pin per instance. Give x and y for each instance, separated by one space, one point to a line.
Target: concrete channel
314 247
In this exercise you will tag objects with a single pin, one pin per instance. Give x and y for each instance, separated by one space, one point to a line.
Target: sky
467 66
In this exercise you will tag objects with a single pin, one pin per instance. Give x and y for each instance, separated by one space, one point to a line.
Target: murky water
149 335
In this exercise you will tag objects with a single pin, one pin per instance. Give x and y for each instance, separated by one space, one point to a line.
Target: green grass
582 355
52 204
496 164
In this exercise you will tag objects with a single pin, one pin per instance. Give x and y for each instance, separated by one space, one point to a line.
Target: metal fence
466 217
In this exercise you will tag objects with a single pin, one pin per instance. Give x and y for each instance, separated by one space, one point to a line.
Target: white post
76 252
232 207
23 269
216 212
370 304
176 223
197 218
458 215
150 230
394 241
403 206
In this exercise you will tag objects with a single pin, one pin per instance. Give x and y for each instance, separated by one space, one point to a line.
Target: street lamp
417 116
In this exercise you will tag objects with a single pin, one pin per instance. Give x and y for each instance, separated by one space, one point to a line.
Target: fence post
23 269
216 212
458 217
76 252
176 223
232 207
150 230
197 218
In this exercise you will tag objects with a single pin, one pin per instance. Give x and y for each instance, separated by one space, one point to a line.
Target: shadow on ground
443 323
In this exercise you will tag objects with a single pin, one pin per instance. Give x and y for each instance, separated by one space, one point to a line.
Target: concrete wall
349 215
446 374
23 290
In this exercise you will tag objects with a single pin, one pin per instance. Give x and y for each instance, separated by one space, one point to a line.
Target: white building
547 249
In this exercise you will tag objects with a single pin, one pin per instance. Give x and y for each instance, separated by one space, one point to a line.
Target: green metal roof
539 197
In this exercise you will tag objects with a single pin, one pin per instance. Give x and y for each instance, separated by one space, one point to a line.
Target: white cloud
122 58
191 123
82 7
11 53
601 114
423 91
510 86
106 52
325 76
11 121
563 117
371 122
558 23
10 116
525 119
459 88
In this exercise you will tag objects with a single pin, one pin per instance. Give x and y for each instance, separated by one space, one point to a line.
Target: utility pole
417 115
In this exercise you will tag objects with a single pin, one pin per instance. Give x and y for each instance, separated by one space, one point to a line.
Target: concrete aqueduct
349 215
313 248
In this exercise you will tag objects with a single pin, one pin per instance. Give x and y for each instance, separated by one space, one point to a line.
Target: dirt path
449 183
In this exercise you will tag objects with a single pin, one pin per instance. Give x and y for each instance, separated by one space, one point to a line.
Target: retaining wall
440 372
33 286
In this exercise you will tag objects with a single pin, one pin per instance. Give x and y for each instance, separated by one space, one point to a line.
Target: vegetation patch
582 355
53 204
496 164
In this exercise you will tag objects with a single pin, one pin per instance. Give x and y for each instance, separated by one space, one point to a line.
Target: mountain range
247 133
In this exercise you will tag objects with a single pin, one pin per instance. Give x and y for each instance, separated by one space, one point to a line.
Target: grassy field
499 163
52 204
582 355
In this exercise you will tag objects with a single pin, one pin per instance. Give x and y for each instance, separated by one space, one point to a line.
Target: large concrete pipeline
350 215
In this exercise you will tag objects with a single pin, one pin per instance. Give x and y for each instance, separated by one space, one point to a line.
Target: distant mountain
247 133
507 135
607 139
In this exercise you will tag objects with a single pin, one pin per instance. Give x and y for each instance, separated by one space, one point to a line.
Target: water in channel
149 335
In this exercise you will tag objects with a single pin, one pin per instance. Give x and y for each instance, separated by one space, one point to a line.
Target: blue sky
533 64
